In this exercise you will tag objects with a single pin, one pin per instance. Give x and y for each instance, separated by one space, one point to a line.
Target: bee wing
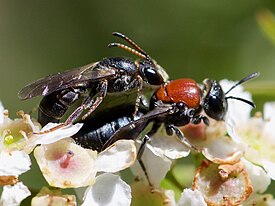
62 80
133 129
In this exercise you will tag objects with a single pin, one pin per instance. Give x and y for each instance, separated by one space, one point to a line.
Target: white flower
65 164
191 198
109 190
48 197
14 134
188 197
261 200
157 157
14 163
156 166
236 108
260 182
215 145
257 134
223 184
214 140
117 157
53 135
13 195
13 139
168 146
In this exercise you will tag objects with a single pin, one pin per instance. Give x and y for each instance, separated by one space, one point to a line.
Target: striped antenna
137 50
129 49
131 42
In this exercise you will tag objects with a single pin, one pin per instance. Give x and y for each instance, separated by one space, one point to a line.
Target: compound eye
152 76
215 104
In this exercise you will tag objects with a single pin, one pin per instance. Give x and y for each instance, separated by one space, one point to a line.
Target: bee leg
89 103
142 148
50 130
144 101
139 156
139 88
77 112
102 91
198 119
170 128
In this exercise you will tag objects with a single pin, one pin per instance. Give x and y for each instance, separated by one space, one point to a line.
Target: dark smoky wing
49 84
62 80
133 129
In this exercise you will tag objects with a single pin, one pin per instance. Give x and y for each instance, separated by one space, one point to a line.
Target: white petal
218 147
144 194
170 146
66 165
260 180
238 110
269 168
222 150
191 198
216 182
13 195
156 166
109 190
47 197
261 200
268 135
56 135
269 110
14 163
1 113
170 195
121 155
231 130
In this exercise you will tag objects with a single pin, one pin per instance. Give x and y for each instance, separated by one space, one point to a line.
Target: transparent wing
62 80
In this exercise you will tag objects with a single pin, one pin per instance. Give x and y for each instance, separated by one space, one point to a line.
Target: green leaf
266 21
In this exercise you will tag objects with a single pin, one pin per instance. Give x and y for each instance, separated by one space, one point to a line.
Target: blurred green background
197 39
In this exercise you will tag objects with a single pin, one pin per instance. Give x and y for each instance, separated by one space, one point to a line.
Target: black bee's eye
152 76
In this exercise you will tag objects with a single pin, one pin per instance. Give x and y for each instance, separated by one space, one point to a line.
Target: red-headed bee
176 103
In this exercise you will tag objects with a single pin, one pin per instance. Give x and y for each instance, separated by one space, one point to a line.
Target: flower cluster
63 163
236 162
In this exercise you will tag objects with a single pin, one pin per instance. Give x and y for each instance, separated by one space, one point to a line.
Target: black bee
93 81
100 127
176 103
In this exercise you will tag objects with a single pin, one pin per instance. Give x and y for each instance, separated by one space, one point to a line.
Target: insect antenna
131 42
243 100
129 49
251 76
137 51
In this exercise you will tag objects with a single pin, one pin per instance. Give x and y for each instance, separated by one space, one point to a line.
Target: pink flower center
65 159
